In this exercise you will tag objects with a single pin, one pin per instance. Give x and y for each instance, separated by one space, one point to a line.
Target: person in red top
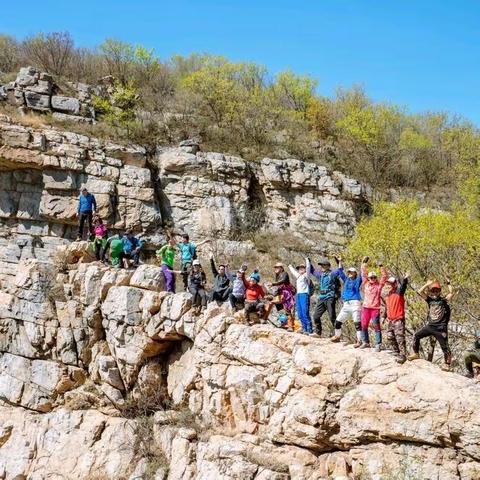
254 293
395 315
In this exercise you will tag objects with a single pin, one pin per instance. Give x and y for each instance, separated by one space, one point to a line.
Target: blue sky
422 54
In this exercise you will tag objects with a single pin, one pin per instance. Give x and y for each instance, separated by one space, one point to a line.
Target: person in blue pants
302 275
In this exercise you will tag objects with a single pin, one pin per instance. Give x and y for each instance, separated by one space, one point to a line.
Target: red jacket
395 302
253 291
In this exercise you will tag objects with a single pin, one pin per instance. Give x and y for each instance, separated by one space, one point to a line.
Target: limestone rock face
211 193
120 379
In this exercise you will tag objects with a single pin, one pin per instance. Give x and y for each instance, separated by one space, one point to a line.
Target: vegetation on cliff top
240 108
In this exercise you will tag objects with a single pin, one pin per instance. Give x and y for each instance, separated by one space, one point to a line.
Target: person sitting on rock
329 284
352 302
166 254
237 290
254 294
188 253
132 246
437 320
372 303
221 282
100 240
196 286
87 205
472 356
283 296
302 299
395 315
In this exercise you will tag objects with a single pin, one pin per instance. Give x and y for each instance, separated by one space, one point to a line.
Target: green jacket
167 255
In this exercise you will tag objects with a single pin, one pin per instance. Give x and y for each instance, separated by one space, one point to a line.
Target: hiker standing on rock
328 282
437 320
302 275
196 286
352 302
188 253
166 254
87 206
395 315
100 240
372 302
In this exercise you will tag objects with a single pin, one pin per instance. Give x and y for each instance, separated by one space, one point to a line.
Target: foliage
239 108
430 245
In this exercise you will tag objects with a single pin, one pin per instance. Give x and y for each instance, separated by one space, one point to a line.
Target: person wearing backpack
302 275
188 253
329 283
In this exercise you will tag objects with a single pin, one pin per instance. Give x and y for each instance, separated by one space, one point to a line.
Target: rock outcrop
110 377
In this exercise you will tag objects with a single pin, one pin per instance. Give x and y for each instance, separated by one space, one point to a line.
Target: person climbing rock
254 294
87 206
472 356
372 303
329 284
100 240
437 320
196 286
166 254
221 282
395 315
352 302
302 299
237 290
132 246
283 296
188 253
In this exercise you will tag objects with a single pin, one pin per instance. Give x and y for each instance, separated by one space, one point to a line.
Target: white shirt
303 280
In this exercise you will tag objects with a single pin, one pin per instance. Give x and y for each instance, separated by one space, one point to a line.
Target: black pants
256 306
199 296
220 296
135 256
322 307
236 302
186 269
440 335
85 216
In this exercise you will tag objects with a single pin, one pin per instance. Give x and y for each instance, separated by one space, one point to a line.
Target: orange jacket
253 291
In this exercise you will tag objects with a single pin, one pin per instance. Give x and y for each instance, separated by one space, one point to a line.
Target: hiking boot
446 367
401 359
78 239
378 348
357 345
469 375
289 329
335 339
413 356
364 345
315 335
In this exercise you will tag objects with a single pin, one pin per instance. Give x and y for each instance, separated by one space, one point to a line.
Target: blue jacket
130 244
327 282
86 203
351 287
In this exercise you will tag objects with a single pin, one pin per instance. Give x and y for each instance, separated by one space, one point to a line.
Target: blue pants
303 311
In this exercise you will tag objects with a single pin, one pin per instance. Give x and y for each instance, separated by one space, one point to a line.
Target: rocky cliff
105 376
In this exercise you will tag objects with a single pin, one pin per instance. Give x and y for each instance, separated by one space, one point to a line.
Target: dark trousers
323 306
440 335
88 217
199 296
220 296
135 256
255 306
236 302
186 269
